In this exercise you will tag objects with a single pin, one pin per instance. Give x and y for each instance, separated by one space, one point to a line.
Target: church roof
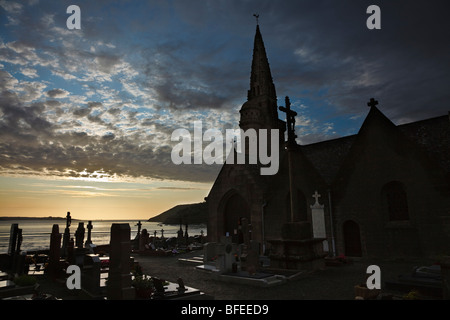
431 135
328 156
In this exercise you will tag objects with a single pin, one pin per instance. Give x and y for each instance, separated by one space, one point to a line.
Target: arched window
396 201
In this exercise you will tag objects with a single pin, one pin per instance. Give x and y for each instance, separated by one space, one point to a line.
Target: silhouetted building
385 190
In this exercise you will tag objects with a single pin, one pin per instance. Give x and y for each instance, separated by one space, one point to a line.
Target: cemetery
131 269
108 272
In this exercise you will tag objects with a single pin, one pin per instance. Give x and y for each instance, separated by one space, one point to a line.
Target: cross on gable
316 196
372 102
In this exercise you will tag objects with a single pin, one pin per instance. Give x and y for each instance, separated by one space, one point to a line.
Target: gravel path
332 283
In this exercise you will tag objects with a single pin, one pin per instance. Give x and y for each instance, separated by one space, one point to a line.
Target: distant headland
33 218
195 213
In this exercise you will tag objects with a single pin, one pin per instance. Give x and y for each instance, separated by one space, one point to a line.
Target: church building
383 192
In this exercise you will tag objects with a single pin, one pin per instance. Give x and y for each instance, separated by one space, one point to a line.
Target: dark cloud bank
319 51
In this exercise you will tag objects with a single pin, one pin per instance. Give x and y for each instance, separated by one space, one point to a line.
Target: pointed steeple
260 110
261 82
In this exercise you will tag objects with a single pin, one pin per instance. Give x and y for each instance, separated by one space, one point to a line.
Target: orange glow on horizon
94 200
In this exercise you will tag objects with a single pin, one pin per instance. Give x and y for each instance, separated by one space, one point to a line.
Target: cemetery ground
330 283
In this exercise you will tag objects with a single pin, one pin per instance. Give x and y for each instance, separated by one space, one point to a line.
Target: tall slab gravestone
55 252
13 238
119 278
79 235
66 237
318 221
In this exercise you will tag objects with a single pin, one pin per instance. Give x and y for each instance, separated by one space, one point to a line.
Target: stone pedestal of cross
290 122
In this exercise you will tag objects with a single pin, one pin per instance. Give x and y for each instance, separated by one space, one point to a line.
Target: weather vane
257 17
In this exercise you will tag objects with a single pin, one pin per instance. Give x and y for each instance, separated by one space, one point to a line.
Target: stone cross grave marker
89 228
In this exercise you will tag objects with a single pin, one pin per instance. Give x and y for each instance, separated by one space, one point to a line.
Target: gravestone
19 240
119 278
79 235
53 267
181 288
90 277
137 239
209 252
159 286
143 240
228 249
66 237
250 257
71 251
318 221
180 238
89 241
13 238
186 235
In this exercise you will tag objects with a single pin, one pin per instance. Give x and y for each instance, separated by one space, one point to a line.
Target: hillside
196 213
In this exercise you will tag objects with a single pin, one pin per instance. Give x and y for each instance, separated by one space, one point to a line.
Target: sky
86 115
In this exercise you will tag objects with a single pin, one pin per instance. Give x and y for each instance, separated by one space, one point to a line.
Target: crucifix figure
290 120
372 102
257 18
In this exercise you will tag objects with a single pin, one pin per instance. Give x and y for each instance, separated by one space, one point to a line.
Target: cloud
57 93
29 72
106 98
11 6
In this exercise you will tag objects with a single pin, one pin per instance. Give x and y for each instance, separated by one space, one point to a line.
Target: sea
36 232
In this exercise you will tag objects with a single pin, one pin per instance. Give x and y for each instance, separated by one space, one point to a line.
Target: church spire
261 82
260 110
